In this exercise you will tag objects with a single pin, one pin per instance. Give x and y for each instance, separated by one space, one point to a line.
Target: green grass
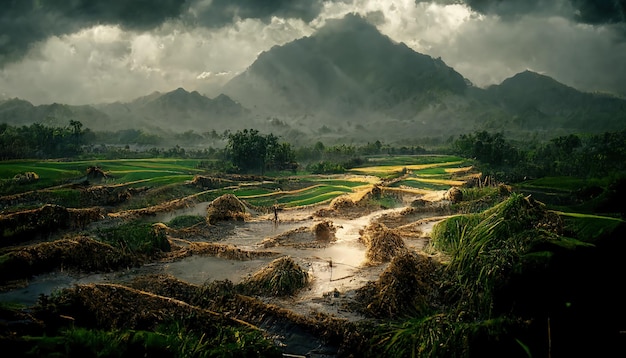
343 183
166 179
420 185
166 341
431 171
134 237
312 195
561 183
251 191
70 198
157 171
589 228
411 160
390 168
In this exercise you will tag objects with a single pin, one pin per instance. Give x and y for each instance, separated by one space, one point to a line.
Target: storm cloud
24 22
218 13
92 51
586 11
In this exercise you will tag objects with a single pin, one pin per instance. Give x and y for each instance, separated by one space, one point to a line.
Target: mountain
178 110
349 81
348 67
19 112
539 101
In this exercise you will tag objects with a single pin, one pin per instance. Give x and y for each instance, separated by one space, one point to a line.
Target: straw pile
408 286
80 253
226 207
107 195
342 202
318 235
46 219
27 177
111 306
382 243
354 204
454 194
95 173
165 285
282 277
225 251
324 231
207 182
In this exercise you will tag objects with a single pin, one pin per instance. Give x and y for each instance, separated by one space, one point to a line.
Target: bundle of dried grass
342 202
79 218
282 277
111 306
165 285
318 235
407 286
324 231
454 194
207 182
27 177
383 244
46 219
225 251
226 207
96 173
80 253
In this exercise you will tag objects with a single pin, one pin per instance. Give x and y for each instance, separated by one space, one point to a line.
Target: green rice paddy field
171 178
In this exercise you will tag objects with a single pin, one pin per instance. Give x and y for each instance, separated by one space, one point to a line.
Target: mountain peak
346 67
351 22
179 90
529 81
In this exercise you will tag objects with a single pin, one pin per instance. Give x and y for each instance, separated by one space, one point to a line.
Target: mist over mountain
178 110
346 72
19 112
350 79
536 101
349 83
175 111
347 67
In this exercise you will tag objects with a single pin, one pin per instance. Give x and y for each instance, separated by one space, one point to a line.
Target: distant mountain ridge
350 83
179 110
19 112
350 77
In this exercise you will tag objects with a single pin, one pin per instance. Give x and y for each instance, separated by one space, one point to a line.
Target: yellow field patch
439 181
409 190
461 170
398 168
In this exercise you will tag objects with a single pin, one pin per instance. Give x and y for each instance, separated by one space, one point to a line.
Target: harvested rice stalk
324 231
80 253
226 207
407 286
282 277
382 243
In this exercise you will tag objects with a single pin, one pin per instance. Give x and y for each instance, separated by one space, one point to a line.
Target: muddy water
338 266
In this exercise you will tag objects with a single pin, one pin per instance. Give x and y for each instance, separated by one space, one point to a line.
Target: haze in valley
341 69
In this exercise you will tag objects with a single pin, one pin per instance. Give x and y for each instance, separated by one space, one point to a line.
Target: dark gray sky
93 51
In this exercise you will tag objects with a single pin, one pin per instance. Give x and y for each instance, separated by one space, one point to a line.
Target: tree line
40 141
577 155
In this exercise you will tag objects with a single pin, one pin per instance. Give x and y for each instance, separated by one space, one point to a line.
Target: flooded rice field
339 265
